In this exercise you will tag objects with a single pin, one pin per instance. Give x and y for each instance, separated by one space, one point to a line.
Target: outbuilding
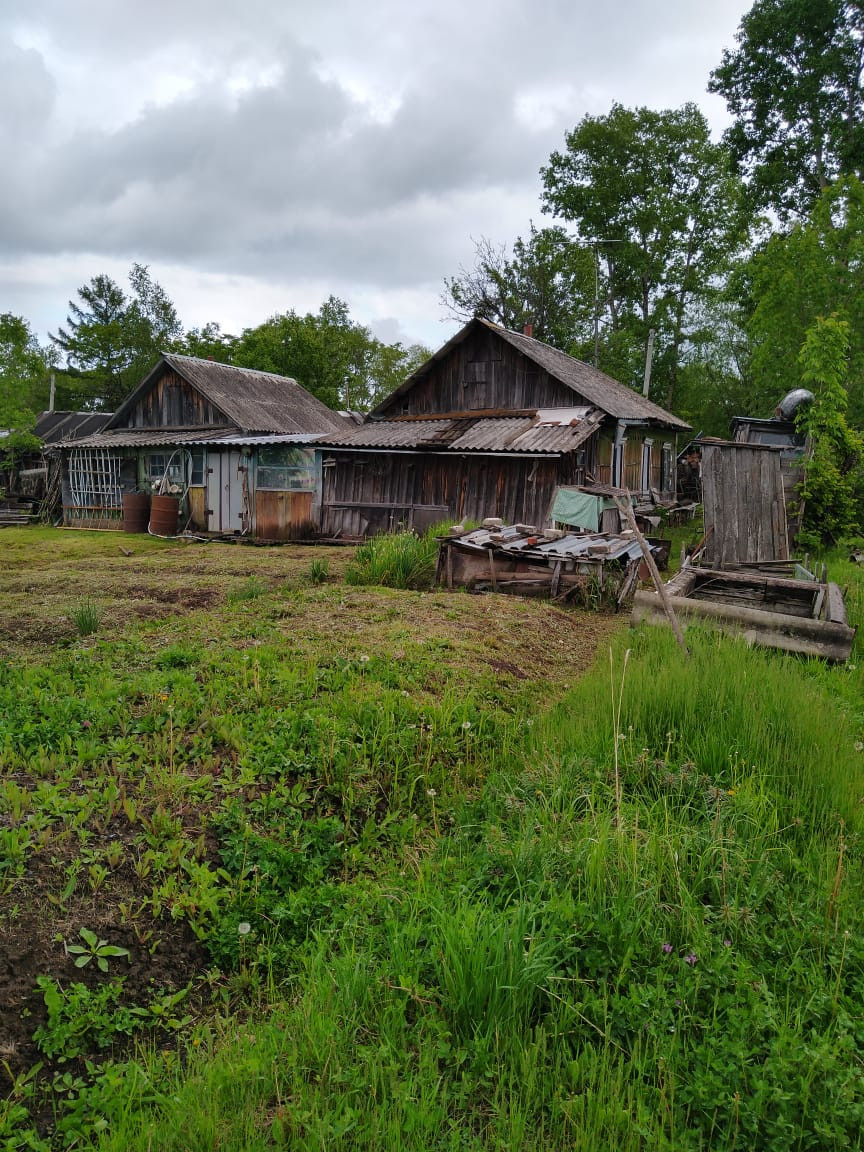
236 444
491 425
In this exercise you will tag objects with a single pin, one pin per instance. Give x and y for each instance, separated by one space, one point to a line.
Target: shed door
227 492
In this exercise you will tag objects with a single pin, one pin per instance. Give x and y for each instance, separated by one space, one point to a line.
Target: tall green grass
397 560
745 718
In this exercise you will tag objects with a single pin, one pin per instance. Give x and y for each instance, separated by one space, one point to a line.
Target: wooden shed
237 442
492 425
745 510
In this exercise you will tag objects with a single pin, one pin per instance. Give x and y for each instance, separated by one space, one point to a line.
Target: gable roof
614 398
253 401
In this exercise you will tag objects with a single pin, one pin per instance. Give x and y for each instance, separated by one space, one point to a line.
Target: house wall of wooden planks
745 510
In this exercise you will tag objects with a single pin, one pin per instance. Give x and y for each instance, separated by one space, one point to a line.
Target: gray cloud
358 145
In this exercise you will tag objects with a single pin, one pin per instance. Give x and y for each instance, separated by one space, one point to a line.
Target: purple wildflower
667 948
691 959
727 943
85 723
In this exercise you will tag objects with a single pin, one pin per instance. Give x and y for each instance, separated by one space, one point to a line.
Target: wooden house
491 425
236 443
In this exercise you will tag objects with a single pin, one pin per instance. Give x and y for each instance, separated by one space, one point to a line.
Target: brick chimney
528 330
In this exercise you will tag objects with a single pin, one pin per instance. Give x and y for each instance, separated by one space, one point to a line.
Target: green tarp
578 509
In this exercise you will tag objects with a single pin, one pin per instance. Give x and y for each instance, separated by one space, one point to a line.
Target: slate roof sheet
466 433
254 401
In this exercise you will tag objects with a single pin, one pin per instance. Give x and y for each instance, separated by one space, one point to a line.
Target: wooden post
556 580
492 569
625 508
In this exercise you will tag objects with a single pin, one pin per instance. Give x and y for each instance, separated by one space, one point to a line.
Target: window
286 469
157 462
667 479
196 473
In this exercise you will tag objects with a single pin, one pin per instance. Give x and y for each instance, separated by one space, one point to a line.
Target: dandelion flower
244 928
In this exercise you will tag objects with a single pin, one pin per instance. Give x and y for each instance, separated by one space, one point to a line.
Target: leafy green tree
715 380
548 282
661 205
794 88
815 269
832 471
207 343
112 340
330 355
24 373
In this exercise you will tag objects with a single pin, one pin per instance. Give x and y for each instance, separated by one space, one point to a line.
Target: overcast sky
262 155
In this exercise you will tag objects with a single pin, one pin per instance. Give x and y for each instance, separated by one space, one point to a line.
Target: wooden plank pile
15 512
594 568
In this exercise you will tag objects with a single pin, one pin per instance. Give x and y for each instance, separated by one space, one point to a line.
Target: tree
659 202
793 86
111 339
815 269
24 373
548 283
207 343
330 355
832 470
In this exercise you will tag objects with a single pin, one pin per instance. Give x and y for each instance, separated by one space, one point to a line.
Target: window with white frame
285 468
158 463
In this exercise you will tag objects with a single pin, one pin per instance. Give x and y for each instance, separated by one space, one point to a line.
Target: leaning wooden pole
625 508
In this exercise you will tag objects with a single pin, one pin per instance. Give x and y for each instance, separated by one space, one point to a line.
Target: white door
227 491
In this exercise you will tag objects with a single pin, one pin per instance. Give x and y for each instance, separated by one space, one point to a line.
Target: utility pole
596 305
649 356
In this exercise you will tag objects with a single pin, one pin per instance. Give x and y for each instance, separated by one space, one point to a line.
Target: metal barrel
136 511
164 515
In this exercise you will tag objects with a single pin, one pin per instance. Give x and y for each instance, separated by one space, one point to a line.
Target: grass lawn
287 862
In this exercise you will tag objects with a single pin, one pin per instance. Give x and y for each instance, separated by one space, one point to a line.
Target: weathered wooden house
237 444
491 425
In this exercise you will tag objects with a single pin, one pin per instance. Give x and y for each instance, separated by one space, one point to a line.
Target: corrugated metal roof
53 427
160 438
471 434
389 434
598 389
256 402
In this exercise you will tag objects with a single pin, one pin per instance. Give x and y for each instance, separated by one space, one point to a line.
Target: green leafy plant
86 617
94 949
251 590
319 571
832 471
81 1019
397 560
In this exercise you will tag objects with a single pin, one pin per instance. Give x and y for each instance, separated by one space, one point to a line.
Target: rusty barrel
136 511
164 515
